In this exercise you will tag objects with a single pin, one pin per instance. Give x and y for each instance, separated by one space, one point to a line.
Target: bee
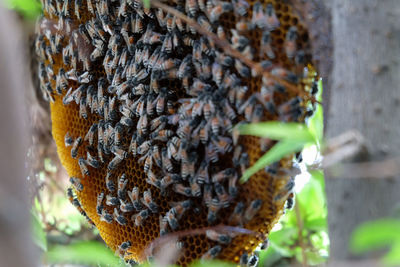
126 206
68 140
219 9
119 217
211 253
191 7
110 183
251 210
204 23
223 197
222 144
290 42
156 155
253 261
217 236
163 225
122 249
222 175
76 182
148 201
99 206
169 179
237 214
153 180
122 182
244 25
171 219
83 166
91 161
241 7
259 17
114 163
243 70
162 135
134 197
265 244
213 208
195 187
181 189
112 201
244 259
140 217
106 217
266 48
179 208
238 41
75 146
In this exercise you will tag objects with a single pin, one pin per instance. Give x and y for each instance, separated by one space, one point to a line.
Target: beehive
121 67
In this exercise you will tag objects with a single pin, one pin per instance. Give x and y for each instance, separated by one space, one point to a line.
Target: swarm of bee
144 107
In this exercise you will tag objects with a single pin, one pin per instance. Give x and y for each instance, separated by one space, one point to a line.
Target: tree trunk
364 96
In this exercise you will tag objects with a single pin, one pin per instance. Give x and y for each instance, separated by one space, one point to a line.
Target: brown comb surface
272 189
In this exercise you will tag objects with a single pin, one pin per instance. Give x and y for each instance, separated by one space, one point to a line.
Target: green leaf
374 235
269 257
276 153
146 3
392 258
30 9
85 252
39 236
278 131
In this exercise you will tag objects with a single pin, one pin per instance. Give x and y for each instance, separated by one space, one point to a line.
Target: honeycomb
61 38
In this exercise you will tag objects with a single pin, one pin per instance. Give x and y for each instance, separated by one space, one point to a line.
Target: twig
300 228
227 48
198 231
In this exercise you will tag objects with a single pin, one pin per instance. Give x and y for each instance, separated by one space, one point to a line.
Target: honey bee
171 219
126 206
211 253
244 259
153 180
75 146
237 214
191 7
253 261
213 208
252 209
241 7
222 144
76 182
163 226
195 187
286 74
166 161
219 237
232 189
106 217
122 182
179 208
140 217
99 206
91 161
204 23
122 249
266 48
219 9
83 166
110 183
181 189
112 201
265 244
162 135
222 175
114 163
147 200
223 197
290 42
243 70
119 217
68 140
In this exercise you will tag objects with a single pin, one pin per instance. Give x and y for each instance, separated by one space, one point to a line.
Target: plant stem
300 228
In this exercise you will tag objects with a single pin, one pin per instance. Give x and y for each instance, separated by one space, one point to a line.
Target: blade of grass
278 131
277 152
